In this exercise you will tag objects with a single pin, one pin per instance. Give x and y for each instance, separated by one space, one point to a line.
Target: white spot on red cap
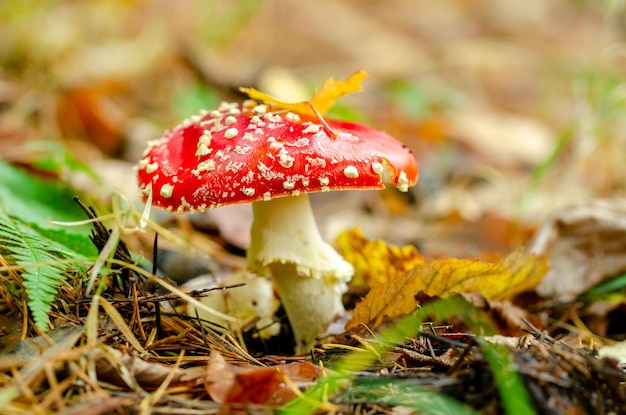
403 182
260 109
377 168
227 106
167 190
248 191
275 145
230 120
207 165
290 116
250 137
204 144
152 167
351 172
311 128
272 117
143 163
285 159
231 132
202 150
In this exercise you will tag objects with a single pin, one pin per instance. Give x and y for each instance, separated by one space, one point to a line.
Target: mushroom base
311 303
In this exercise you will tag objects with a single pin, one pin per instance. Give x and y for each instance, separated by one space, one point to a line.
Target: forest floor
495 285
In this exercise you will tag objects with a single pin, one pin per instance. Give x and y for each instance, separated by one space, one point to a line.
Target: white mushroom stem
309 274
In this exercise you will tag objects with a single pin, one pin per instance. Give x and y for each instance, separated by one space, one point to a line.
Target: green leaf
348 113
56 158
192 98
38 201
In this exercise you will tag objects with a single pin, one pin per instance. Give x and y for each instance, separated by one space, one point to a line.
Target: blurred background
513 109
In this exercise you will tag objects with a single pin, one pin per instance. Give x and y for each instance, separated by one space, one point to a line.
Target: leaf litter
135 359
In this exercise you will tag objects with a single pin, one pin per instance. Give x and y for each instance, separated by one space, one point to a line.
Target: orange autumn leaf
227 383
375 261
501 280
323 100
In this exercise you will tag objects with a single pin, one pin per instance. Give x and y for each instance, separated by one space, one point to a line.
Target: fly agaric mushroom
249 153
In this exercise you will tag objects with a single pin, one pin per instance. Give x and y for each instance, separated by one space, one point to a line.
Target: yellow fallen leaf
323 100
375 261
514 274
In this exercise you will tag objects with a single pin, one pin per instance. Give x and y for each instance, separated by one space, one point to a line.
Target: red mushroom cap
242 153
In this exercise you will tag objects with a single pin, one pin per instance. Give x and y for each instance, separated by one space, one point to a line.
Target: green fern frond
39 258
28 204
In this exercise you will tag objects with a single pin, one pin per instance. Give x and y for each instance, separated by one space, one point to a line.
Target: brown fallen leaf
514 274
90 113
227 383
586 244
146 374
528 141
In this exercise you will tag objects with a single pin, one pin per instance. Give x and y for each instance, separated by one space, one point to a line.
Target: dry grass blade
104 254
119 321
148 403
